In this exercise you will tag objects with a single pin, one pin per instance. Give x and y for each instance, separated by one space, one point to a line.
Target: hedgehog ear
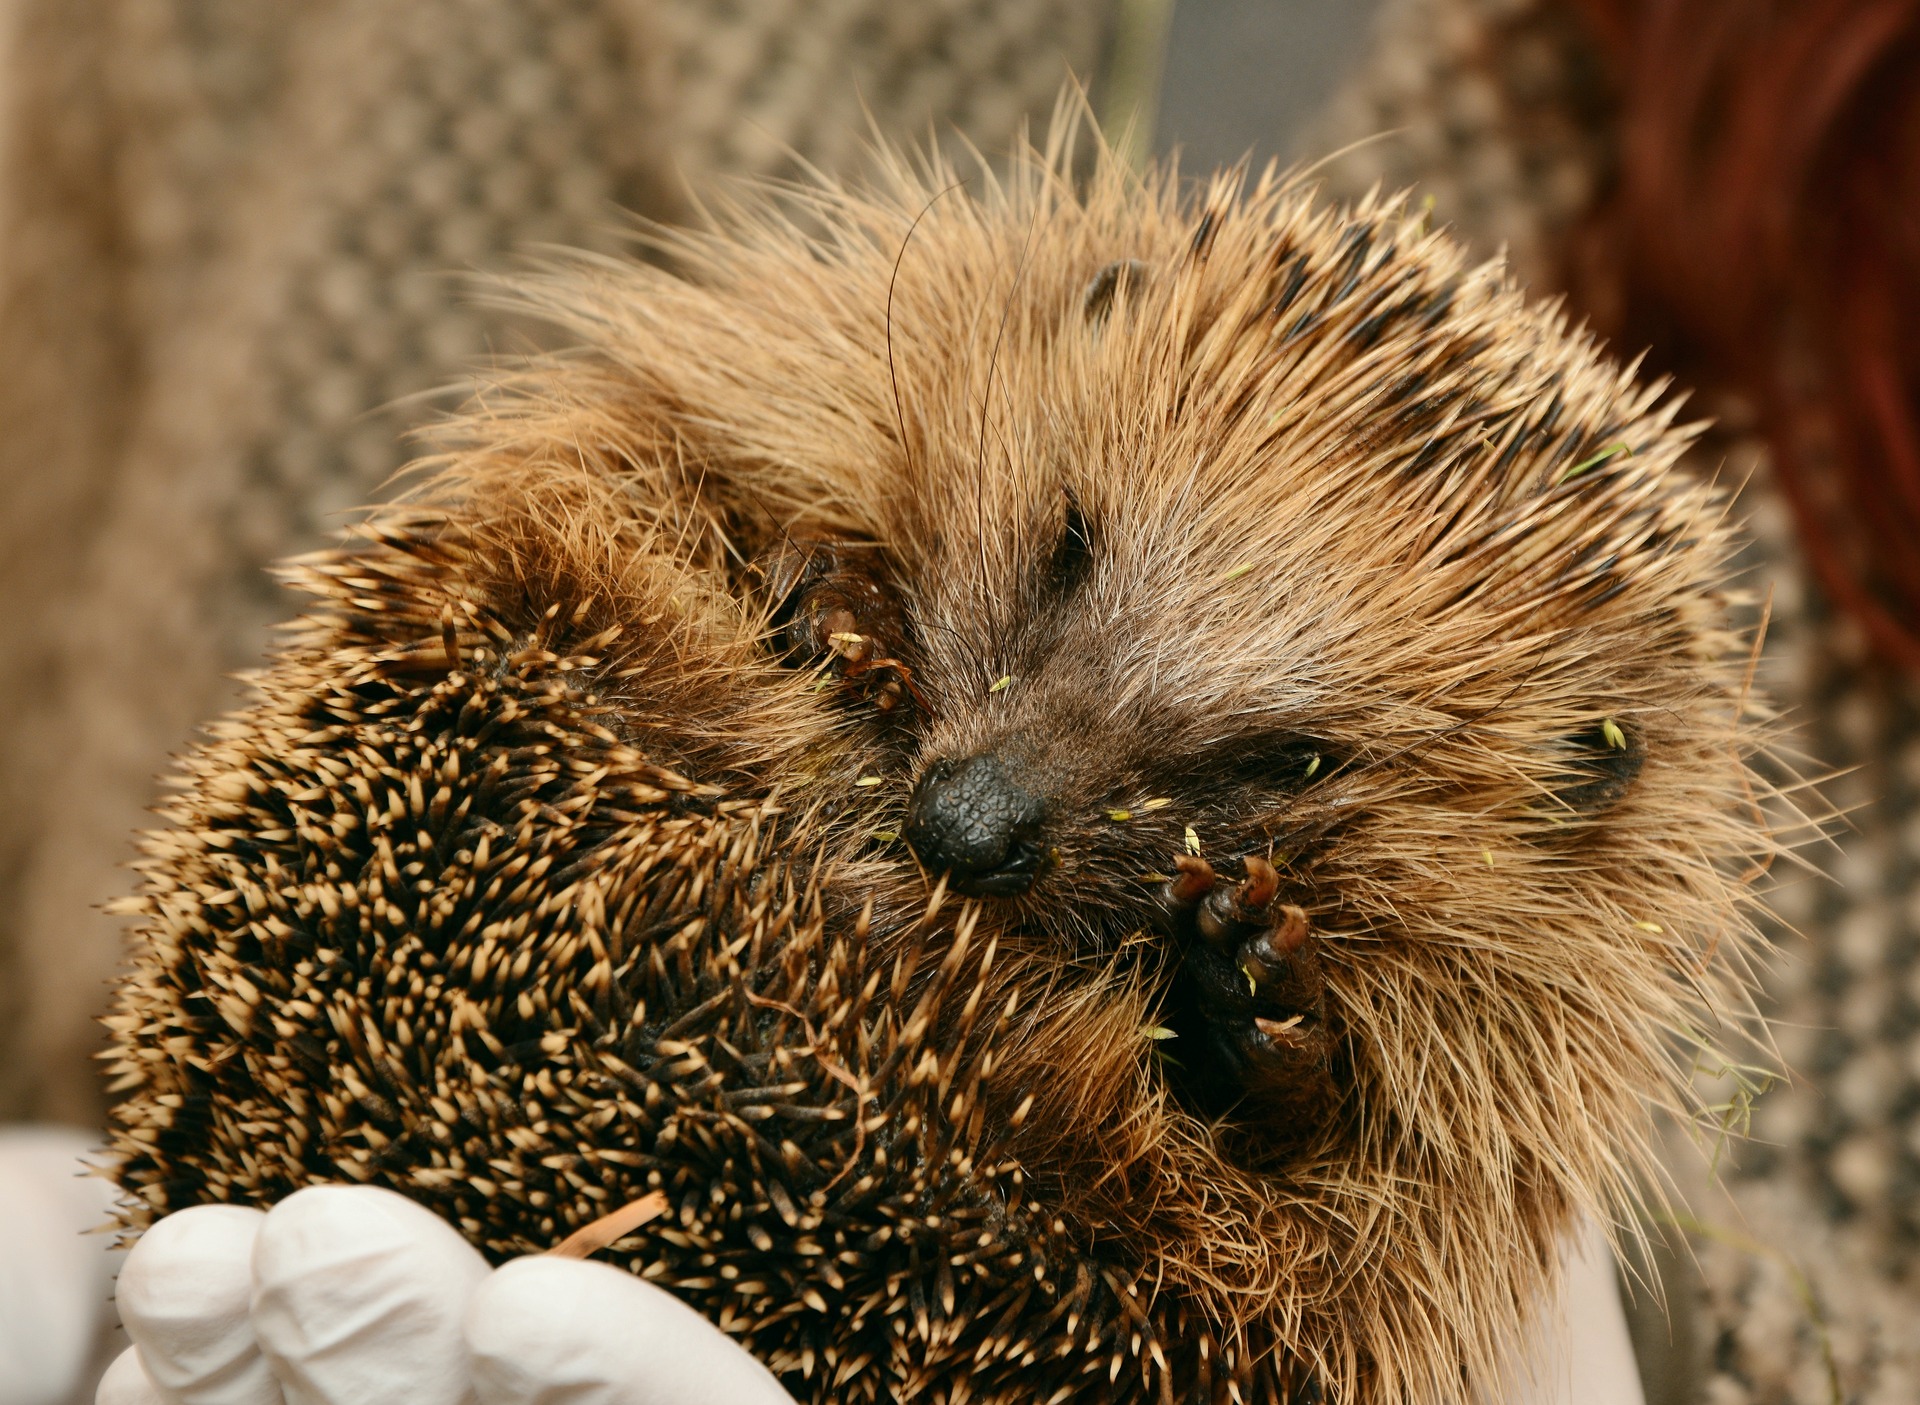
1598 766
1106 285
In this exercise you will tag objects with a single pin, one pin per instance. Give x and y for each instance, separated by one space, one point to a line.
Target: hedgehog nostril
971 819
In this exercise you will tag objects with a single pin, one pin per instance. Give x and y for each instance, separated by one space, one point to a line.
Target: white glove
351 1295
358 1296
56 1280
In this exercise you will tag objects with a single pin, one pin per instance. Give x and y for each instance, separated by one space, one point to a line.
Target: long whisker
893 279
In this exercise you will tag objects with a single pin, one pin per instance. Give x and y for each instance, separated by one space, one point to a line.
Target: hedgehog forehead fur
1231 522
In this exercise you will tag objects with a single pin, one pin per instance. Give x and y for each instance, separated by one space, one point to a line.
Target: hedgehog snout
973 820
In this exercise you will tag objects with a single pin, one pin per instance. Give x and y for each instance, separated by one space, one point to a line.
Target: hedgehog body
559 858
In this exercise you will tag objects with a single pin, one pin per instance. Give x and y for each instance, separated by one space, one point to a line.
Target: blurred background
233 247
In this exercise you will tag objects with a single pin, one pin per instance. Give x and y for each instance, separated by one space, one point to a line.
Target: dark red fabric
1763 232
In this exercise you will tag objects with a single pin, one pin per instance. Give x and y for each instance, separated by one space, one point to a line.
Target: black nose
971 819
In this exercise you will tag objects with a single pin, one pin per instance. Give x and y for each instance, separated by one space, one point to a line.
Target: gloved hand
357 1296
351 1295
56 1280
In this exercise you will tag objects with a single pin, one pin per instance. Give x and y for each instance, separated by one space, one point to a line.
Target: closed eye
1286 761
1261 764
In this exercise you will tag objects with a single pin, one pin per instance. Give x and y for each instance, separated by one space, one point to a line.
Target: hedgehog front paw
1249 1001
834 608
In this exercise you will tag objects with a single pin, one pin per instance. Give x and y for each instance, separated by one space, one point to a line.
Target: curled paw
834 607
1250 996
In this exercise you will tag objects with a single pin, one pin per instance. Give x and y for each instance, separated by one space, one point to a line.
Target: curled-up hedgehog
1120 791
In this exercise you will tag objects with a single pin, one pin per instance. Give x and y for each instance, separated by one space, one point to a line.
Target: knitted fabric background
1807 1285
232 243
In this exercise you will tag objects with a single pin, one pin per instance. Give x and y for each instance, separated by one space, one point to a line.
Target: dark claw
1193 881
1230 915
1268 954
1291 1030
1262 882
1291 934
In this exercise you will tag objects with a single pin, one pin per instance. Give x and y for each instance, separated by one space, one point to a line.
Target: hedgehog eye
1283 761
1073 553
1599 764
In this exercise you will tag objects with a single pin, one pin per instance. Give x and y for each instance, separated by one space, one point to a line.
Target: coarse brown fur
536 877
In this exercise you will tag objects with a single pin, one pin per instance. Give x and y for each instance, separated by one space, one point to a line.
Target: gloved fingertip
193 1265
336 1224
358 1295
127 1382
185 1296
543 1329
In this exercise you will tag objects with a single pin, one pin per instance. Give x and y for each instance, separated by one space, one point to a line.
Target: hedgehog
1116 788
